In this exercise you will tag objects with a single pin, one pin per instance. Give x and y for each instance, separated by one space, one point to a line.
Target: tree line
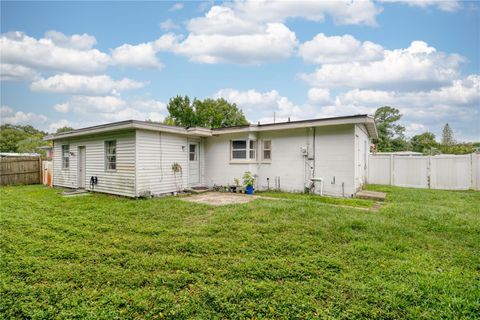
391 137
219 113
24 139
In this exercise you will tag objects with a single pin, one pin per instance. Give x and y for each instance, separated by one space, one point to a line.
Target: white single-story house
135 158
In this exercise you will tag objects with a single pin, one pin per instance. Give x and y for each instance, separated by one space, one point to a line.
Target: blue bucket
249 190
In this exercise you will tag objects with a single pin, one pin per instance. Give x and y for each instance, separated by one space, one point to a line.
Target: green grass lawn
105 257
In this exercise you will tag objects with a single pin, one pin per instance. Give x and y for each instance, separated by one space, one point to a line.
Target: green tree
218 113
209 113
64 129
424 142
391 136
17 138
168 121
10 137
400 144
447 136
182 111
458 148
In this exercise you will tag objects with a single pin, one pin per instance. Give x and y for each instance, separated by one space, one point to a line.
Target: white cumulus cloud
342 11
169 25
260 106
417 67
445 5
84 85
274 42
15 72
46 54
90 110
142 55
8 115
222 20
319 95
253 32
76 41
457 103
339 49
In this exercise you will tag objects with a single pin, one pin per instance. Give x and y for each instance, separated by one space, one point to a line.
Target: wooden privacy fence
450 172
20 170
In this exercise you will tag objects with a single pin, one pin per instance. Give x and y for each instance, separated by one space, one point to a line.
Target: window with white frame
111 155
267 150
244 149
65 156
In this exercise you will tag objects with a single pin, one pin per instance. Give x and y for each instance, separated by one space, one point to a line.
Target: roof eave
130 125
368 121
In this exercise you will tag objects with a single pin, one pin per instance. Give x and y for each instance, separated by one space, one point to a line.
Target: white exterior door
193 164
81 167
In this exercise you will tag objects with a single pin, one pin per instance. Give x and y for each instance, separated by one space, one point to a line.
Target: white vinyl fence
451 172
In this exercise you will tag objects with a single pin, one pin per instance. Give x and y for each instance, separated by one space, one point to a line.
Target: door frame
197 152
81 163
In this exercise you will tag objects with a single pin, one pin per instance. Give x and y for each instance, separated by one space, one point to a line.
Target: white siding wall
334 158
287 161
120 181
218 168
362 150
145 158
156 152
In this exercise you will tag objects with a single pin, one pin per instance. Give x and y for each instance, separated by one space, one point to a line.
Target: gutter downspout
315 179
314 155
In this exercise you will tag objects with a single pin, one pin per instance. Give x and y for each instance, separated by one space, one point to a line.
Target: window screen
253 150
65 156
239 149
192 151
111 155
267 150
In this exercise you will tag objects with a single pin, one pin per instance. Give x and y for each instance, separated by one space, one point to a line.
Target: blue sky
85 63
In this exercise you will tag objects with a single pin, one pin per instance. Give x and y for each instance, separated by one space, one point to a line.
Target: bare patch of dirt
219 198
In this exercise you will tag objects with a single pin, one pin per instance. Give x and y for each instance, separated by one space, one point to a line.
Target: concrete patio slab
220 198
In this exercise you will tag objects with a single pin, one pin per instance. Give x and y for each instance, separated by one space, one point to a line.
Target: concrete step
371 195
74 192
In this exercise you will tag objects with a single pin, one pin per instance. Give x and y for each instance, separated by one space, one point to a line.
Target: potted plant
236 185
248 181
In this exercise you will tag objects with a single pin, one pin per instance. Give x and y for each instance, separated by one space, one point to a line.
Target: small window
111 155
253 150
193 152
267 150
239 149
244 149
65 156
